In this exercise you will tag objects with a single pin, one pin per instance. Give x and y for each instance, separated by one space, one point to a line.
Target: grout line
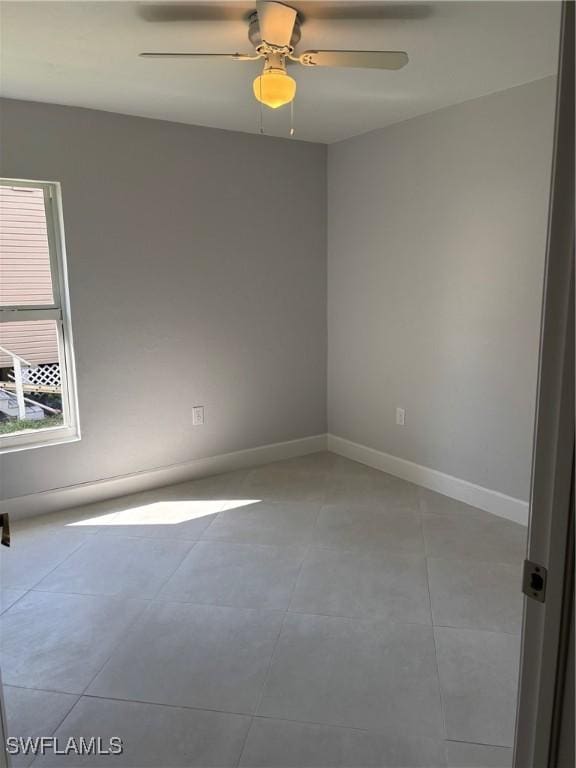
253 608
478 629
217 513
61 562
365 619
253 717
474 561
480 744
267 675
431 613
122 639
123 535
308 549
78 697
440 691
158 600
170 706
269 665
112 596
173 572
117 595
147 702
238 714
269 668
244 742
53 730
15 589
426 564
42 690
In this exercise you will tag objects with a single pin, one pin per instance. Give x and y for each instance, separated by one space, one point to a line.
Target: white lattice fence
41 375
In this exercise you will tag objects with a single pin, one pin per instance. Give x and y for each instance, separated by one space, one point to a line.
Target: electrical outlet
400 416
197 415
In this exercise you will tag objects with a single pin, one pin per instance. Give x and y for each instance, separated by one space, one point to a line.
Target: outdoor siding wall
24 256
25 274
197 266
34 340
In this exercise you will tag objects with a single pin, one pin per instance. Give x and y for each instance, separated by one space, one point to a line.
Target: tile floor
309 613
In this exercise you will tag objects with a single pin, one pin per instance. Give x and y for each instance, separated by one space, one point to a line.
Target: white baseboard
87 493
476 495
122 485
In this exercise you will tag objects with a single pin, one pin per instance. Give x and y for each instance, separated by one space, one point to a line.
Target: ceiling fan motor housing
255 36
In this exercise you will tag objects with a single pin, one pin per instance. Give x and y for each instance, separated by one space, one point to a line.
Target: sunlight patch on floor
165 512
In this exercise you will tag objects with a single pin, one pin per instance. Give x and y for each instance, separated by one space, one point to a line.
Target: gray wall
436 242
197 265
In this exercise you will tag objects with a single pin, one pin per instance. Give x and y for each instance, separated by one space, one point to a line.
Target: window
38 403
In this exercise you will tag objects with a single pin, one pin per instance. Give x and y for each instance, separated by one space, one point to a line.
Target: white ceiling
85 54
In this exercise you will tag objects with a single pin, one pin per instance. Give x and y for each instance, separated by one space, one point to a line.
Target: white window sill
25 441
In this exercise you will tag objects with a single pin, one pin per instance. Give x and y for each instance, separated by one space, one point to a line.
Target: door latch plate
534 581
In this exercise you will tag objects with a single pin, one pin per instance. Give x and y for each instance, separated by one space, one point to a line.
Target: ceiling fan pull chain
292 131
261 111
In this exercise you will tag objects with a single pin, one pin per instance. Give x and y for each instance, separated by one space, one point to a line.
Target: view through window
37 393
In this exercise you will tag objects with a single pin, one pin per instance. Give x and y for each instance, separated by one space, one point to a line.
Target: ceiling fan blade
228 10
357 11
363 59
177 55
276 22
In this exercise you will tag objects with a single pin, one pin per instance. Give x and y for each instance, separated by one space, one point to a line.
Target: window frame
58 310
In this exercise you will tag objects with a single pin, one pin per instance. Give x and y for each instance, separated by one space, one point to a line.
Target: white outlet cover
400 416
197 415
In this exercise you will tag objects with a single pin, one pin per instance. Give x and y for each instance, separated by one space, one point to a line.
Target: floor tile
193 655
347 468
33 554
59 642
132 567
369 529
352 584
289 523
479 675
362 674
438 504
462 755
273 483
320 461
154 736
224 487
8 597
476 595
210 638
283 744
242 575
32 714
344 467
367 485
488 538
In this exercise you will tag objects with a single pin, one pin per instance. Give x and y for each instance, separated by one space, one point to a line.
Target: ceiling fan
275 30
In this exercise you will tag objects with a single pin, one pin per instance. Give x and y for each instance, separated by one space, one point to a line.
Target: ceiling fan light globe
274 88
